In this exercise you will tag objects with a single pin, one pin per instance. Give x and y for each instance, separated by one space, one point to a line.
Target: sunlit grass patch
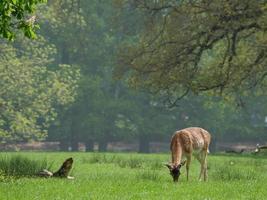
141 176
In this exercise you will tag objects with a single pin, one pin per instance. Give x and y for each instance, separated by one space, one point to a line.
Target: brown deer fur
184 143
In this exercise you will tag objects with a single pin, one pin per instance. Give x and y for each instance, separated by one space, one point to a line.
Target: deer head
175 170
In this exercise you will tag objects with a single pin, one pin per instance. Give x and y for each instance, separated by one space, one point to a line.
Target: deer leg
200 159
188 161
205 167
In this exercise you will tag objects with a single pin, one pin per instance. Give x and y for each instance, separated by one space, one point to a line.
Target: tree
198 46
31 89
92 117
18 15
103 109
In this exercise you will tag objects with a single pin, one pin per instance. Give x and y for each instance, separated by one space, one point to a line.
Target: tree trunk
73 135
212 146
63 146
74 145
65 58
89 145
143 144
102 146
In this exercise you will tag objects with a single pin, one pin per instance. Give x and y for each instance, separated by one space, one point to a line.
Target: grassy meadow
126 176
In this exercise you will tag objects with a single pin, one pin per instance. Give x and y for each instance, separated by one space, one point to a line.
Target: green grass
140 176
17 166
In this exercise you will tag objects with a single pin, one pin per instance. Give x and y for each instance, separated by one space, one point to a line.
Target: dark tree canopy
198 45
18 15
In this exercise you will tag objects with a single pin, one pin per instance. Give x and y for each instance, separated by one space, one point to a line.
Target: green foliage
104 110
16 15
197 46
62 85
30 90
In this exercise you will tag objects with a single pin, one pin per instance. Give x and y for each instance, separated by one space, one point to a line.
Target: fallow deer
185 143
63 171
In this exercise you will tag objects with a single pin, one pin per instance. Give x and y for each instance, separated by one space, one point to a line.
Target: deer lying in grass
63 171
184 143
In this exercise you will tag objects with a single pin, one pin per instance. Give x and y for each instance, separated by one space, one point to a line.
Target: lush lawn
136 176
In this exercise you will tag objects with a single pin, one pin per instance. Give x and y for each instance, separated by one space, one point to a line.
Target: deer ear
169 166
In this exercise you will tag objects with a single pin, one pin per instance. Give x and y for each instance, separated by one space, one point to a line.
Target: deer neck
176 153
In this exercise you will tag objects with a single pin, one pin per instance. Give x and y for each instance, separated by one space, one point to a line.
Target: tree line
130 71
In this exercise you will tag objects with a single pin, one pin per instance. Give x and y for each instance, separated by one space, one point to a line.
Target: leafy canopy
197 46
30 90
17 15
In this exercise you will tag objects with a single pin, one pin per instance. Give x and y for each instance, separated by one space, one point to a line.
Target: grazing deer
184 143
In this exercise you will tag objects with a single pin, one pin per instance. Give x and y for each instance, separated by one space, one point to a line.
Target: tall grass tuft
100 158
19 166
155 164
232 173
151 175
130 162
